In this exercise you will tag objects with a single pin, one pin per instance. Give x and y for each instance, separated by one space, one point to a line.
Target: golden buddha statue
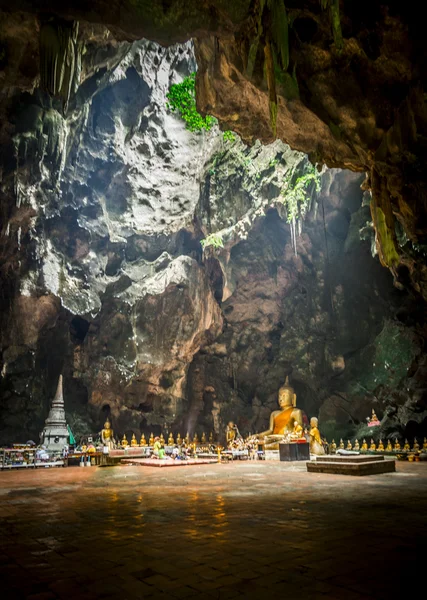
187 439
333 447
195 439
124 441
178 439
372 447
143 441
230 433
341 444
298 432
203 440
133 441
425 445
396 445
356 445
364 445
171 441
374 416
389 447
349 446
107 435
380 446
416 446
282 421
162 439
406 447
151 440
211 437
316 446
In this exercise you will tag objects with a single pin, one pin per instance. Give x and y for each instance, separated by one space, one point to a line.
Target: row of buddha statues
372 447
289 423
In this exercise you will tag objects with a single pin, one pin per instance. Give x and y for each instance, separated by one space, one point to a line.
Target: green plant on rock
297 195
182 98
213 240
228 136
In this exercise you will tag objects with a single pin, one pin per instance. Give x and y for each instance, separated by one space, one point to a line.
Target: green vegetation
214 240
182 98
228 136
297 194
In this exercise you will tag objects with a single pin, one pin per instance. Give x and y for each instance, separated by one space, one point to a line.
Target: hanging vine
296 196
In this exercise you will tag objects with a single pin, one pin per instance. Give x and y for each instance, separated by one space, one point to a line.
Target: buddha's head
287 395
230 425
314 422
107 424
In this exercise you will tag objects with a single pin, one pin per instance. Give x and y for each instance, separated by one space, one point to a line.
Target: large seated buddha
282 422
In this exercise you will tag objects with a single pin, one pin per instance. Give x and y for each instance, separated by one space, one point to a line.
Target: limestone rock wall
104 278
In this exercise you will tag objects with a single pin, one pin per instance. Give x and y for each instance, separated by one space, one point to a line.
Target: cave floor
239 530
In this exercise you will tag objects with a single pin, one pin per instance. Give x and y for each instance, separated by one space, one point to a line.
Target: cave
207 210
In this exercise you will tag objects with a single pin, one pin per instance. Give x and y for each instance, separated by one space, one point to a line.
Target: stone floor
239 530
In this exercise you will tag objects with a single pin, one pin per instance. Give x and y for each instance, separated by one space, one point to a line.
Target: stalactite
59 64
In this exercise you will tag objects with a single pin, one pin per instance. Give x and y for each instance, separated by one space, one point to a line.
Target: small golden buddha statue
151 440
349 446
195 439
143 441
133 441
203 440
211 437
372 447
124 441
187 439
298 431
84 448
374 416
396 447
178 439
171 441
380 446
162 439
282 421
333 447
356 445
107 435
230 433
316 446
425 445
341 444
406 447
389 447
416 446
364 445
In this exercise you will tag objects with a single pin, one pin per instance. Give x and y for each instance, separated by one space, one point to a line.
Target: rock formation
105 197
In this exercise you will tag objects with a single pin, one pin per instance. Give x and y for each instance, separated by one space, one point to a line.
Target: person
157 446
175 452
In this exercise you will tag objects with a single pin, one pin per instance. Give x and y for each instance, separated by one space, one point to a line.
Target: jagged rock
104 210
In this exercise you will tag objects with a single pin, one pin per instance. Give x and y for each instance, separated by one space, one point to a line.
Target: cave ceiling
348 86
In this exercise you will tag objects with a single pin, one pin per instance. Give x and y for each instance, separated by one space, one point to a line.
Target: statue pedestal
272 454
291 452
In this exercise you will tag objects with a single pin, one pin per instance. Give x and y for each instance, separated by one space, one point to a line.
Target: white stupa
55 432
